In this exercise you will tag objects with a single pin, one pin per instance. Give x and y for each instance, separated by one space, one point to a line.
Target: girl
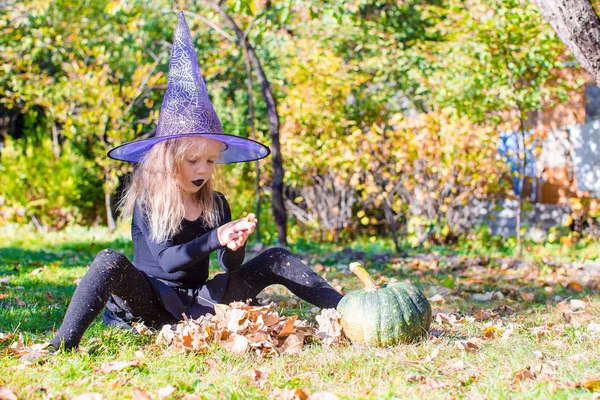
178 220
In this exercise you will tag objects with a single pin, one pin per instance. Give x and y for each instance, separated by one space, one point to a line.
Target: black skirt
191 302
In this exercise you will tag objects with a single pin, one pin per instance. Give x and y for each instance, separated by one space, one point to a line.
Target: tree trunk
578 27
110 219
389 215
522 157
277 201
253 130
55 142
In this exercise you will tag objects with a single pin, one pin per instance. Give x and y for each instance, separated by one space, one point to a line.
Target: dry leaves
38 270
165 391
239 328
299 394
6 336
29 354
330 331
7 394
453 319
592 384
141 328
139 394
471 345
105 368
430 383
88 396
545 371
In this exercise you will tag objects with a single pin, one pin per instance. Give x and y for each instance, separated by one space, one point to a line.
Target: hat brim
237 149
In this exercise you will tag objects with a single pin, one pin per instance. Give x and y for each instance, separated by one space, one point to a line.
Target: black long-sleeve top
183 260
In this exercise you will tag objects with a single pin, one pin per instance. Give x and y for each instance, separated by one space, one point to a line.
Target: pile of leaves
241 328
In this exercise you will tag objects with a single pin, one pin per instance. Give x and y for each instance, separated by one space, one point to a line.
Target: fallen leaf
575 286
484 315
524 374
491 331
451 318
578 357
540 331
504 310
434 384
330 330
105 368
20 302
544 371
293 344
7 394
577 305
433 355
592 384
470 345
4 296
437 298
138 394
258 376
483 297
141 328
6 336
593 327
237 344
189 396
288 328
88 396
457 364
38 270
527 296
290 394
165 391
508 332
323 396
412 377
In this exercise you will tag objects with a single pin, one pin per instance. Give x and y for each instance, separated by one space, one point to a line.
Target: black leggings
112 273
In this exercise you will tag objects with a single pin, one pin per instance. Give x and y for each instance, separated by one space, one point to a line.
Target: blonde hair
154 187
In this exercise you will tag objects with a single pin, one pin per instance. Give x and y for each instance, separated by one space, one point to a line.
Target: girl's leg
110 273
277 265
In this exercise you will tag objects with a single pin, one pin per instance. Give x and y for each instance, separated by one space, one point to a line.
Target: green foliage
57 191
496 57
366 91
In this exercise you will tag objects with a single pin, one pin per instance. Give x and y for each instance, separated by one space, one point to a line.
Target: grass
560 345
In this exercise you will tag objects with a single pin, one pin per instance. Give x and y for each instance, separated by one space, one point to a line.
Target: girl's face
198 164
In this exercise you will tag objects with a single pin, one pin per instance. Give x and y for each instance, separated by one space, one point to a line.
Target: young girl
178 220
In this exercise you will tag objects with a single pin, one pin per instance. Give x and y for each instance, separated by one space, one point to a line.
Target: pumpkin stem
364 276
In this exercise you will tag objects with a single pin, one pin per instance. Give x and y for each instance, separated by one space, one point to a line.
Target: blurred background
417 122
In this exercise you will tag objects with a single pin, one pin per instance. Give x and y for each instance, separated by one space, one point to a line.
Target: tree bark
253 130
578 27
277 201
110 219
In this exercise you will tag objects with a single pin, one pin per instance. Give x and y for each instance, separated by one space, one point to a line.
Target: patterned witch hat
187 111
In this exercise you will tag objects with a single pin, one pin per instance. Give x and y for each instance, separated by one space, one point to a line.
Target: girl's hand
235 233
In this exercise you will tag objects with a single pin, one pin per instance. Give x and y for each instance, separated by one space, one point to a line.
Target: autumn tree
498 63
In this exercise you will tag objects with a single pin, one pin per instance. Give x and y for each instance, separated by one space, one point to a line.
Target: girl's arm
173 258
229 260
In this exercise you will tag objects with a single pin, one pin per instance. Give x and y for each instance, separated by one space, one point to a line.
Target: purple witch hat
187 111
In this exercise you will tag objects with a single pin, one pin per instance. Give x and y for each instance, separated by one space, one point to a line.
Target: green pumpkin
396 313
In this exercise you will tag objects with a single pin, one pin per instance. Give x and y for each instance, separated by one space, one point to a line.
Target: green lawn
504 329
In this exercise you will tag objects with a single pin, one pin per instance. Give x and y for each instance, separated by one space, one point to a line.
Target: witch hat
187 111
